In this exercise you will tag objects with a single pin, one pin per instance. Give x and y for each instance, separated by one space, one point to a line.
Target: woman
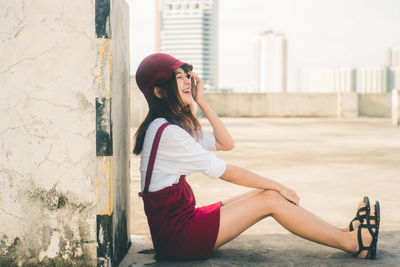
173 145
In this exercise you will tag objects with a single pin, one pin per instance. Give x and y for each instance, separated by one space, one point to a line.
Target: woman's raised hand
197 88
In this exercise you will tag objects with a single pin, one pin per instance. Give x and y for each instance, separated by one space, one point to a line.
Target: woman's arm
223 139
247 178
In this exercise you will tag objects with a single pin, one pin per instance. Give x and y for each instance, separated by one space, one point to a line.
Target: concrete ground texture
330 163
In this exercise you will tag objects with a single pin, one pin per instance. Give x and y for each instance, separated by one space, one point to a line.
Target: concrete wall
56 79
341 105
375 105
282 104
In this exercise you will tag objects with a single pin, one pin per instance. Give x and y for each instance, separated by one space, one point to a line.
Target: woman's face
184 83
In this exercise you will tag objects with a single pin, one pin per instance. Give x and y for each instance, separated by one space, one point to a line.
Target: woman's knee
271 198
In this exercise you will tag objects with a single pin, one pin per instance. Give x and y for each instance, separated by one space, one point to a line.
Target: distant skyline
270 58
320 34
196 41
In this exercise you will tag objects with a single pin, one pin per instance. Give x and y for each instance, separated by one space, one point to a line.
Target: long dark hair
170 107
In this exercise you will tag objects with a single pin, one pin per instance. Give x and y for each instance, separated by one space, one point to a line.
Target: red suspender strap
152 158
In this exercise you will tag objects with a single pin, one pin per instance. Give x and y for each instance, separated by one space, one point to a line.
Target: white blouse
178 153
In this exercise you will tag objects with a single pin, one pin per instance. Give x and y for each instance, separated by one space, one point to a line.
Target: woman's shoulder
156 123
170 130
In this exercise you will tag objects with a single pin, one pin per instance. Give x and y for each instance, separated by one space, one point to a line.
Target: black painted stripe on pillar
102 18
104 145
121 241
104 240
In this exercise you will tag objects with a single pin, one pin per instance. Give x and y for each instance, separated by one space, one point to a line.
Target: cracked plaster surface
30 28
48 96
48 64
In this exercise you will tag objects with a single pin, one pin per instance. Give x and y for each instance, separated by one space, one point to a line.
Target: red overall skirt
179 230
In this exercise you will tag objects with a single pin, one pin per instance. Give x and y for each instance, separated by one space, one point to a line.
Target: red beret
156 69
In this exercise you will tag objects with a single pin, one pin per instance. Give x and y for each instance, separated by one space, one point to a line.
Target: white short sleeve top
178 153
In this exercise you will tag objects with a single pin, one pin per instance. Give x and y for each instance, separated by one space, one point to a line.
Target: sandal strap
351 223
361 210
360 217
370 226
360 243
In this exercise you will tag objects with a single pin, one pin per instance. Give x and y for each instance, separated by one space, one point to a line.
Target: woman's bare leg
255 191
240 215
241 196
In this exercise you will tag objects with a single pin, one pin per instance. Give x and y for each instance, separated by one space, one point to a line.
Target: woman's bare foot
355 223
365 236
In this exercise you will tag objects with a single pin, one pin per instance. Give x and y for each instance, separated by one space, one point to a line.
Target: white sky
320 34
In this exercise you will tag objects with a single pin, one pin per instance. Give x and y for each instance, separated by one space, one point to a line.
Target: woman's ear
158 92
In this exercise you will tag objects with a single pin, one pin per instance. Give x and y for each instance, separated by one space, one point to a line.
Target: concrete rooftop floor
331 164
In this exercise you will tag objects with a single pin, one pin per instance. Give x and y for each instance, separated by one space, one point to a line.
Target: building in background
365 80
393 63
188 30
332 80
393 57
373 80
270 70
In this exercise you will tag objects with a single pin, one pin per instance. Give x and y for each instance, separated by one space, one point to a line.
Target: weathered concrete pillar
64 132
395 107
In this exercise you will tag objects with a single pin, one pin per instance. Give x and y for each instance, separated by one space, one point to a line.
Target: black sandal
360 217
372 247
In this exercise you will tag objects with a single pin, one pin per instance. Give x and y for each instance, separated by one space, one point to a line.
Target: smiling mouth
187 91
